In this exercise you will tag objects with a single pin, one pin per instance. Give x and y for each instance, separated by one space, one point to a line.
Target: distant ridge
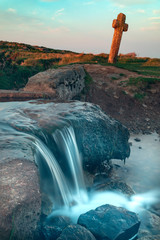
22 46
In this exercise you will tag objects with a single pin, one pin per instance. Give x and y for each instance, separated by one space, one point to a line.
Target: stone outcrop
65 82
20 201
110 223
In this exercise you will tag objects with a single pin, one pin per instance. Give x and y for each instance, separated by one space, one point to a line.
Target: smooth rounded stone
20 200
76 232
108 222
53 227
65 82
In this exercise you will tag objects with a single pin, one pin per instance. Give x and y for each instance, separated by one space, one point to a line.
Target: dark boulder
76 232
20 201
53 227
110 223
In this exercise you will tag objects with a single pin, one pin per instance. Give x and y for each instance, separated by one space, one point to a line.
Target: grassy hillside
20 61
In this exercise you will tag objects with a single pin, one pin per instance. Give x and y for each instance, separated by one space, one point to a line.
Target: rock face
76 232
20 201
110 223
65 82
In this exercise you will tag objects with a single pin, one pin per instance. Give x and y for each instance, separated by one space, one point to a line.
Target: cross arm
125 27
115 23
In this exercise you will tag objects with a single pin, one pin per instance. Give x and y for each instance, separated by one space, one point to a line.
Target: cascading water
59 184
68 186
66 142
53 142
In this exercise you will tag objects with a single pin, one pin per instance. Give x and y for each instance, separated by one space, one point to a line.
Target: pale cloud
141 10
156 11
151 28
49 0
132 2
56 30
89 3
58 13
154 18
11 10
154 27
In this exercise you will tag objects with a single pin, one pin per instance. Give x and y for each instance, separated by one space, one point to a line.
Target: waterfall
67 145
65 184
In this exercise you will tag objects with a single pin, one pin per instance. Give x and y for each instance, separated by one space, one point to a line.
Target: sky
82 25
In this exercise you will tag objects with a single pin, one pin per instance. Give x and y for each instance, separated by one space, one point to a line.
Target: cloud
151 28
157 11
154 18
11 10
131 2
58 13
56 30
89 3
141 10
49 0
154 27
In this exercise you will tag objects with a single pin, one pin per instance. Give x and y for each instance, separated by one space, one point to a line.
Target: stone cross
120 26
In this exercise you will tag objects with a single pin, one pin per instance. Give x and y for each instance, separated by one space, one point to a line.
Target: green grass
142 82
138 66
13 229
16 77
139 96
88 82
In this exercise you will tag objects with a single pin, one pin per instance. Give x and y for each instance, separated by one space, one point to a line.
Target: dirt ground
109 90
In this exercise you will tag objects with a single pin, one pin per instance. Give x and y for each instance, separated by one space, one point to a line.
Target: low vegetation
18 62
143 82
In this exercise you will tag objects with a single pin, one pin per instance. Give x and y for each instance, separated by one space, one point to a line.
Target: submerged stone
53 227
76 232
108 222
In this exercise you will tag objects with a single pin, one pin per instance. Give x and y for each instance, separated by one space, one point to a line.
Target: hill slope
20 61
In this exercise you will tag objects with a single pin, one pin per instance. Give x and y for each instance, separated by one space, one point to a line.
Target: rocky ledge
63 83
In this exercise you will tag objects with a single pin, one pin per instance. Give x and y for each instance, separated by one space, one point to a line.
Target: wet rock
65 82
53 227
76 232
20 201
99 137
115 185
111 223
